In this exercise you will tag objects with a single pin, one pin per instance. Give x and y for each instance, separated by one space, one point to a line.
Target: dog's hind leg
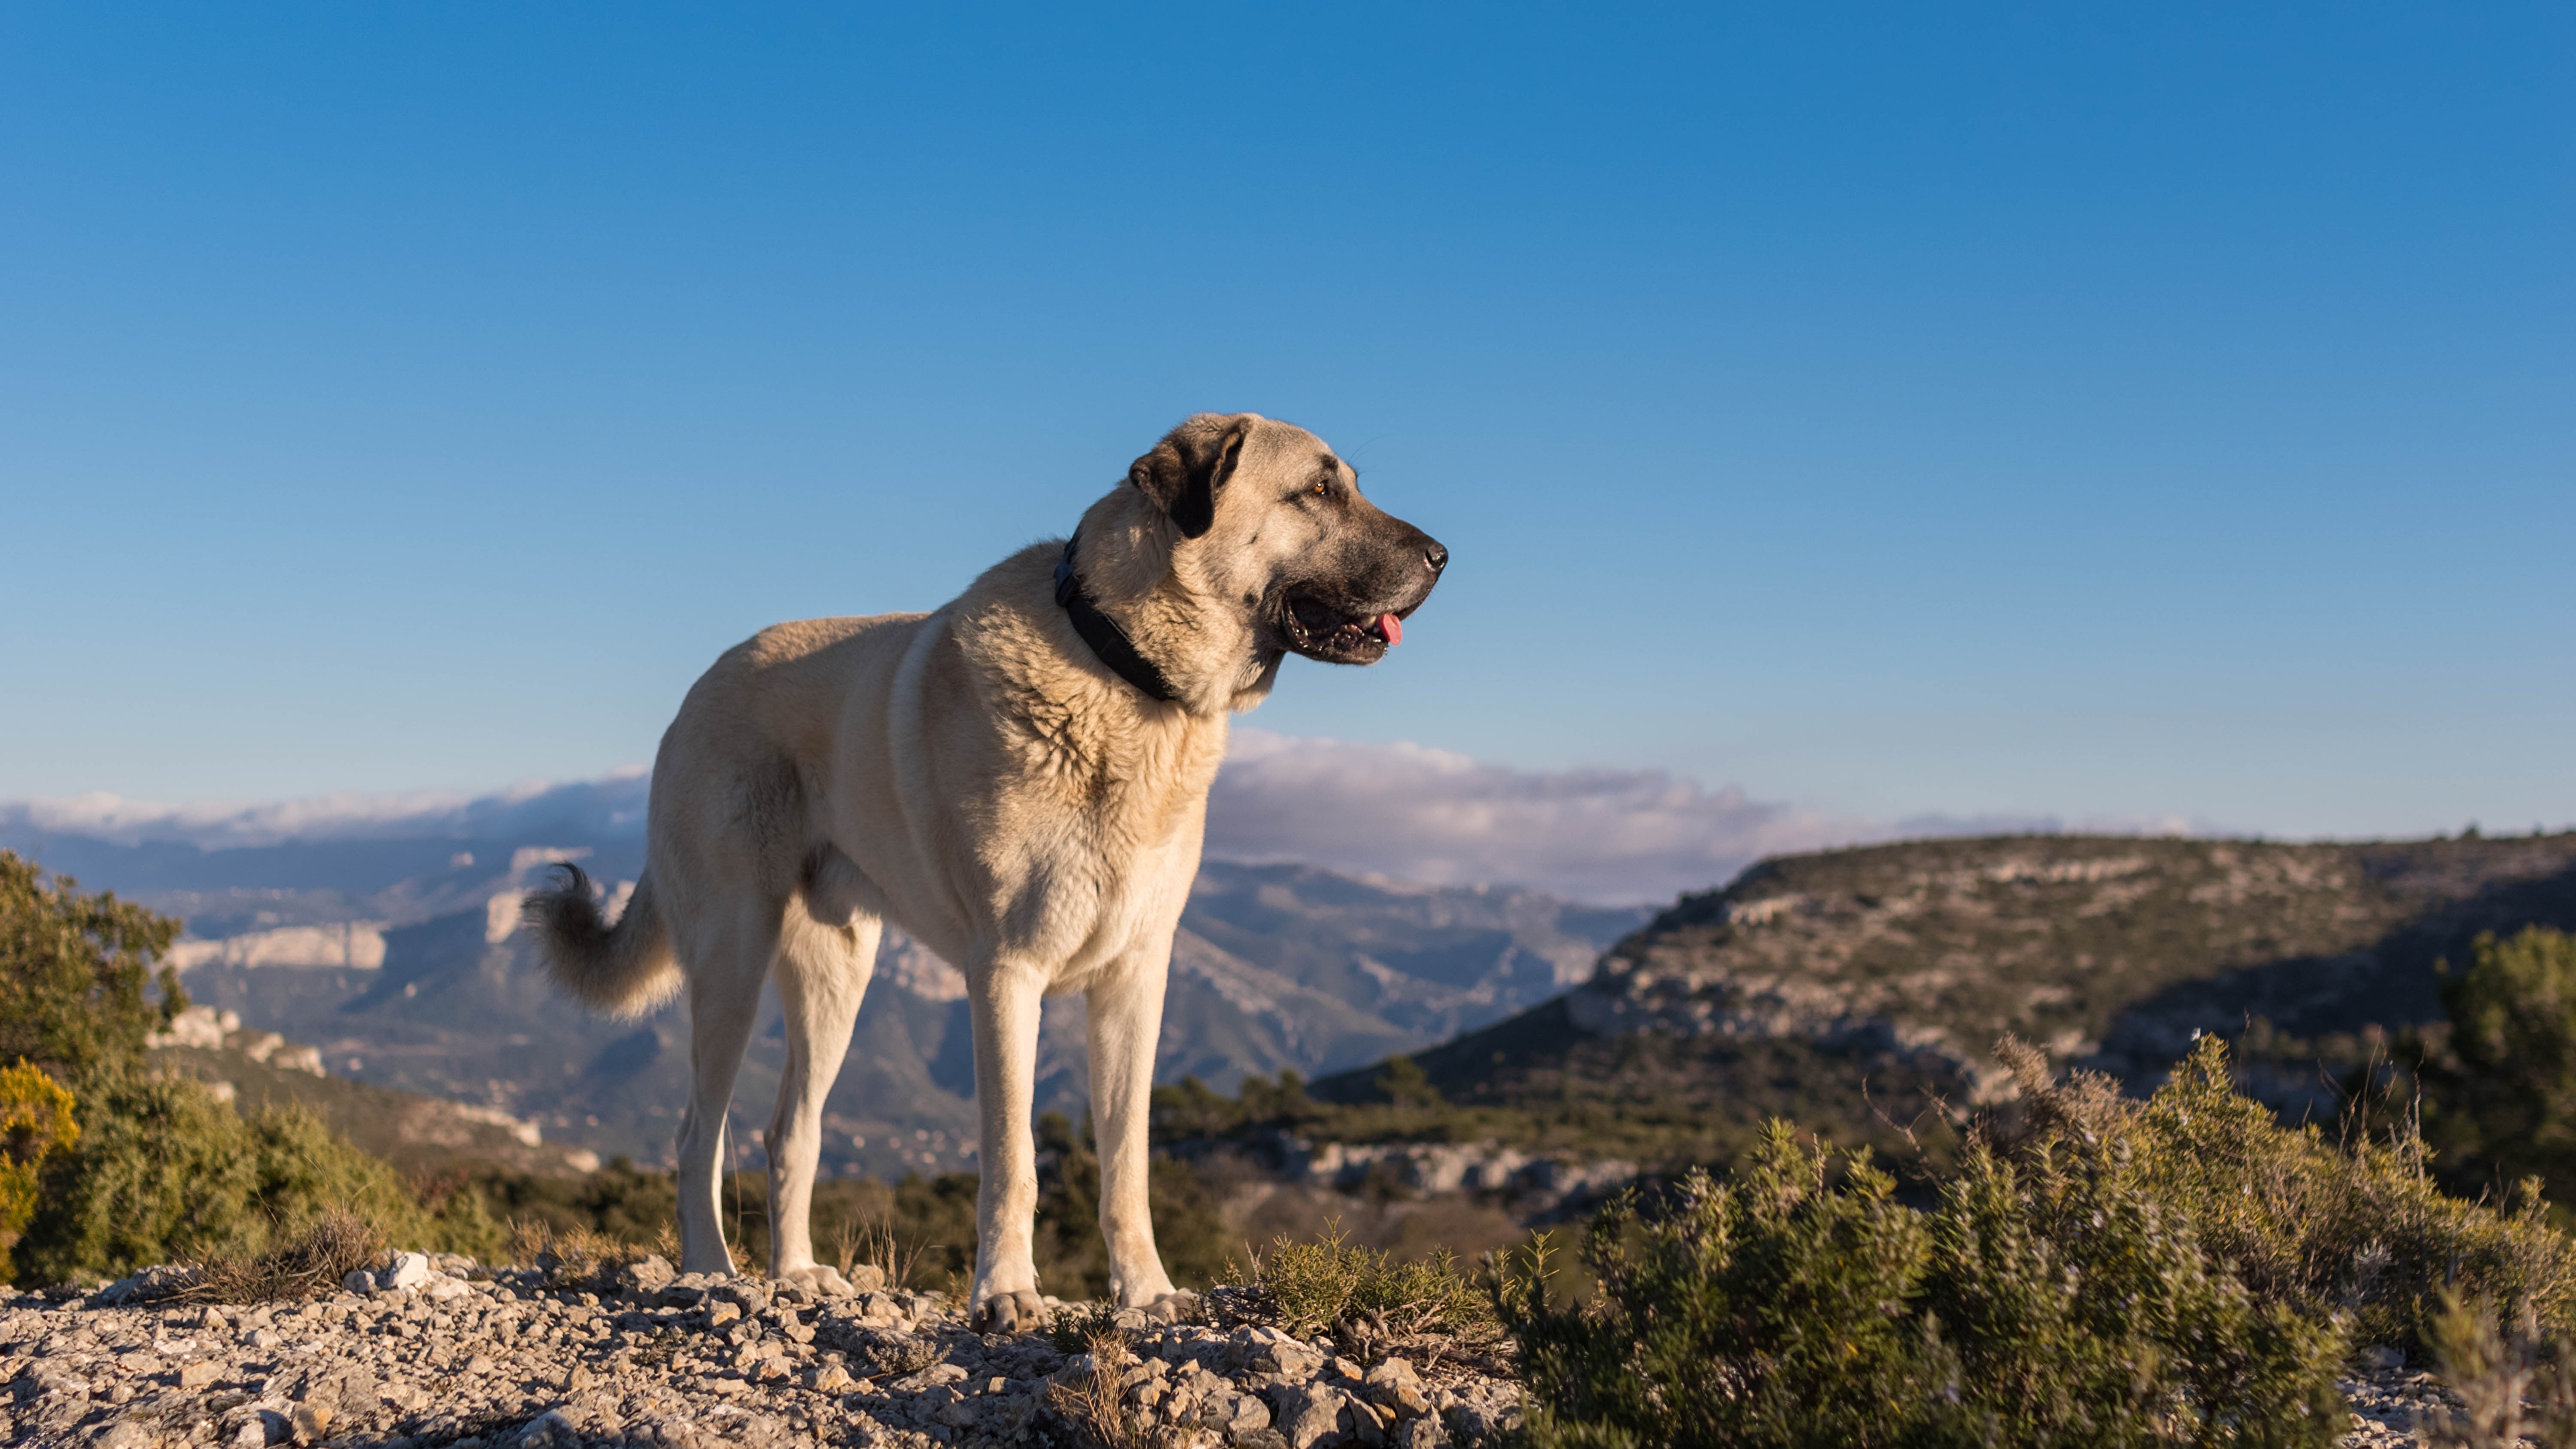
823 970
727 961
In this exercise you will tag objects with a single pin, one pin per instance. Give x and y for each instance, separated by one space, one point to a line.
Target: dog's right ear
1187 468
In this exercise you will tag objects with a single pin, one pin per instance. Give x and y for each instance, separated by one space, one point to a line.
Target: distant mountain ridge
397 958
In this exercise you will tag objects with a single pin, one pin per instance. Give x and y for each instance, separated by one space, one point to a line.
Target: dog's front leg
1126 1012
1005 1012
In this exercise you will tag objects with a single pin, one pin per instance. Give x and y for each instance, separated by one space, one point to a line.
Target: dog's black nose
1436 556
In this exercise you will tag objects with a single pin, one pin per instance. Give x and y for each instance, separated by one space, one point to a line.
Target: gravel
439 1351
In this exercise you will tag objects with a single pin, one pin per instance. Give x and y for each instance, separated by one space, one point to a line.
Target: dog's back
729 810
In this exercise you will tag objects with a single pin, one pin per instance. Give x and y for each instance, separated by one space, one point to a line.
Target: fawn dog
1020 780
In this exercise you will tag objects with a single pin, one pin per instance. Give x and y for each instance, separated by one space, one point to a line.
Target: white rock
410 1270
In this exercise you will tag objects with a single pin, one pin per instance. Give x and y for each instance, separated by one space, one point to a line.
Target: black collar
1103 634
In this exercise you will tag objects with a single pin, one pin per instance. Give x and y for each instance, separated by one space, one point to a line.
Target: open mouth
1320 631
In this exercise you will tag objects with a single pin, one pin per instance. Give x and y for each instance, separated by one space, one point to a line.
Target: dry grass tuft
871 1242
308 1265
1331 1285
568 1255
1093 1403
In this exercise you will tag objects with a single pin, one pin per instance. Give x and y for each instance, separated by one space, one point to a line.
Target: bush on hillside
2359 1224
35 1123
1402 1082
161 1170
166 1173
1192 1109
2496 1085
1783 1309
74 974
2179 1270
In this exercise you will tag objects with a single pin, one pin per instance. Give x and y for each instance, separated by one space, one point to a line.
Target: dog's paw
822 1281
703 1252
1019 1312
1180 1306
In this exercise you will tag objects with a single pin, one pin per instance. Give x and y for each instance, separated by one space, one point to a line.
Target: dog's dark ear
1186 469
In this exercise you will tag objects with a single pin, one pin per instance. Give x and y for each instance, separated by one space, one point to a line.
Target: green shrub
162 1171
2182 1270
2359 1225
74 970
2497 1083
1787 1309
1332 1283
1402 1082
166 1173
36 1122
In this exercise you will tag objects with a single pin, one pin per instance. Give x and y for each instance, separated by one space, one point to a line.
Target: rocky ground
443 1352
2388 1404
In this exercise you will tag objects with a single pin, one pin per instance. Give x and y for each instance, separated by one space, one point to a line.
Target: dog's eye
1323 488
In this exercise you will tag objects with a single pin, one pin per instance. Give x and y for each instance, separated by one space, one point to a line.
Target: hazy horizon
1397 812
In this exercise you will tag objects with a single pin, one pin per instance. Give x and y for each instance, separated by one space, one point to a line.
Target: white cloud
611 806
1426 814
1405 811
1613 836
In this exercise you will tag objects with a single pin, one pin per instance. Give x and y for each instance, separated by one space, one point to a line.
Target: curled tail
624 970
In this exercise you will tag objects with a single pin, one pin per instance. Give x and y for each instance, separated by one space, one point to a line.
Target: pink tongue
1392 627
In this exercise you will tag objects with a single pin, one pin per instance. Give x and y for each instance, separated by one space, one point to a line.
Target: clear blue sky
2100 410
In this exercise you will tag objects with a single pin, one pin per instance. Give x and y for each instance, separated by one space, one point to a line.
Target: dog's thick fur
979 777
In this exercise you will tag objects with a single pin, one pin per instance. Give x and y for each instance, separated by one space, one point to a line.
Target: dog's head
1271 522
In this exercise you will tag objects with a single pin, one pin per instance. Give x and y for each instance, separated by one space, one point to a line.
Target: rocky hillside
1810 977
